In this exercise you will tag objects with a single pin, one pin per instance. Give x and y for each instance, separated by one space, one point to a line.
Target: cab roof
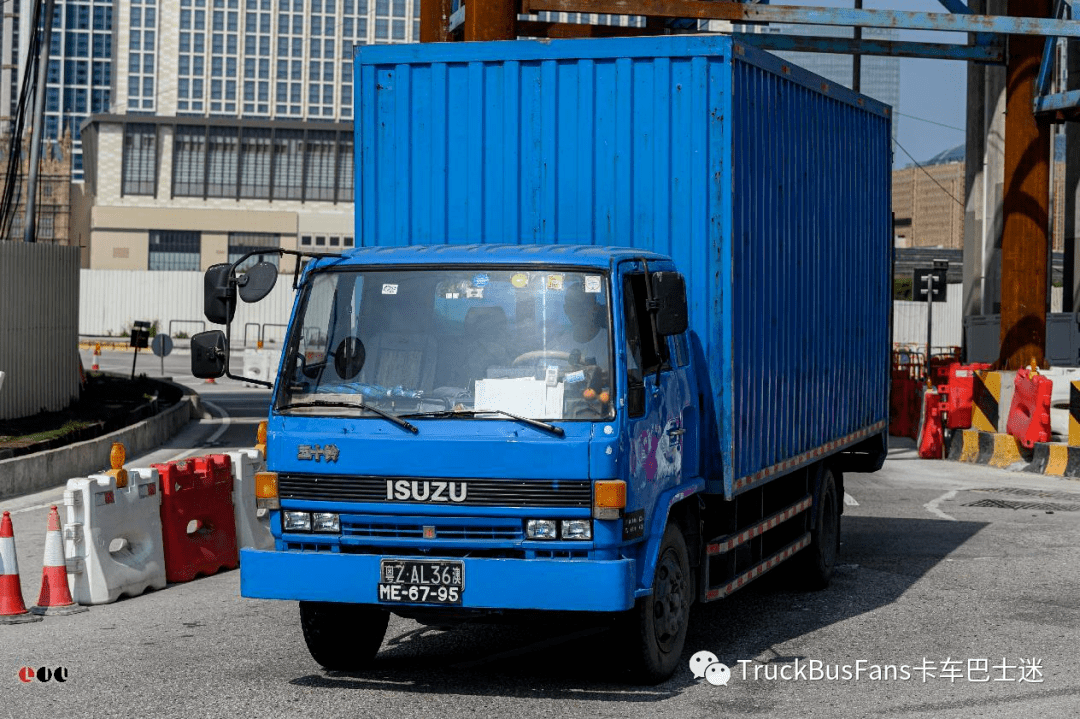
514 255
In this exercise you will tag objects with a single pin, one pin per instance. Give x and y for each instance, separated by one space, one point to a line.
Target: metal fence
113 299
909 318
39 331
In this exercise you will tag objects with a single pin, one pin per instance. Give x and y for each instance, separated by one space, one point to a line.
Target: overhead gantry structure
1022 37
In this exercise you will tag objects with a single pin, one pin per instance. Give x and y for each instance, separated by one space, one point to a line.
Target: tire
818 560
343 637
655 628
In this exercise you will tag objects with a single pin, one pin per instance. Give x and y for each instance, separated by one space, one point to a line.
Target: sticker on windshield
555 282
592 283
480 280
474 293
520 280
389 289
575 377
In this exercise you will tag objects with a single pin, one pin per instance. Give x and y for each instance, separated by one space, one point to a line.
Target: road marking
225 421
849 500
932 507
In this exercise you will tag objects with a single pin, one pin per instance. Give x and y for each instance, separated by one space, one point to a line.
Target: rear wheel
343 637
817 561
656 627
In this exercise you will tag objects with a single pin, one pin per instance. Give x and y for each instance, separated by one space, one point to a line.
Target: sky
932 92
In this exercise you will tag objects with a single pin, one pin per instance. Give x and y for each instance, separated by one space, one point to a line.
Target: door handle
676 432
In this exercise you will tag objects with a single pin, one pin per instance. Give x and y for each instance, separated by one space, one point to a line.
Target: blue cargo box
768 185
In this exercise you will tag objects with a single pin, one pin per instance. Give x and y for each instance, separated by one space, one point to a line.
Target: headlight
297 522
541 529
577 529
325 522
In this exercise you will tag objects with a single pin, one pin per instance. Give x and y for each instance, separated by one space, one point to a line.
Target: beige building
184 193
929 210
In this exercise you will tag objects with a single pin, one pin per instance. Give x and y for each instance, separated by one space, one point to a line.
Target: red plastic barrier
958 394
196 494
905 400
931 434
1029 415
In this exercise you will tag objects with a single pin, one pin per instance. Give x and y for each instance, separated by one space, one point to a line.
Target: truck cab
462 429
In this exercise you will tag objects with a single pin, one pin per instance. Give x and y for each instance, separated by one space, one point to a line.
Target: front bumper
543 584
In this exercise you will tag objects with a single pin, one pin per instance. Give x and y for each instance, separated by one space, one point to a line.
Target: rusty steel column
435 20
491 19
1025 242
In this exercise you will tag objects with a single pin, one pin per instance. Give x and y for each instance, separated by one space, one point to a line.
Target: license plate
419 581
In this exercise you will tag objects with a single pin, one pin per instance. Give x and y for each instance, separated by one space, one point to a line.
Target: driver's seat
401 359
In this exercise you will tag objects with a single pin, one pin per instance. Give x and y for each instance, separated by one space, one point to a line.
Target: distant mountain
956 154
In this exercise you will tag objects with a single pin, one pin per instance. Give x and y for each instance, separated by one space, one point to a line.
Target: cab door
656 401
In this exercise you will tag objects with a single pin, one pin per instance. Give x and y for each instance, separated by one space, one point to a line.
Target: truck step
721 591
728 542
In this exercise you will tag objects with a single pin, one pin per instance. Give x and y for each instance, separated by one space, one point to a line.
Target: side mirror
669 292
219 297
257 282
208 353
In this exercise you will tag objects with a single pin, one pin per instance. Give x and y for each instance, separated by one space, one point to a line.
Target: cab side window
643 356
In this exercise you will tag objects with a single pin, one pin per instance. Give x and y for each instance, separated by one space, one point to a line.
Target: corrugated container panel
767 185
39 308
811 265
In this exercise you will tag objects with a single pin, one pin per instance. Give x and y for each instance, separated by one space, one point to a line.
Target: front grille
480 492
387 528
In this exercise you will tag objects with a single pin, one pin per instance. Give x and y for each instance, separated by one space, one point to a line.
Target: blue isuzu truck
617 323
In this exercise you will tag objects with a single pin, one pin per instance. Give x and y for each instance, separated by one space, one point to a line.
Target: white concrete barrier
112 537
252 528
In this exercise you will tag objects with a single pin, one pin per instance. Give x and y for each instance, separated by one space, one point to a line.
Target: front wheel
343 637
656 626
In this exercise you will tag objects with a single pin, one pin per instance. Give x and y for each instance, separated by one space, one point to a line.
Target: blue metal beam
737 12
994 54
956 6
1062 102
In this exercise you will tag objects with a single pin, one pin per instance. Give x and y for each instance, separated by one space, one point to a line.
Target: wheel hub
669 600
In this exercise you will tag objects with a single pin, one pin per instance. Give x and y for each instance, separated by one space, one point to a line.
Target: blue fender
662 509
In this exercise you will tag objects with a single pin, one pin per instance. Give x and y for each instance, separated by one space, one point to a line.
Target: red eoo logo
43 674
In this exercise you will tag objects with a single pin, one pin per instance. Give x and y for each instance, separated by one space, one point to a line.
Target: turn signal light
609 499
266 490
260 438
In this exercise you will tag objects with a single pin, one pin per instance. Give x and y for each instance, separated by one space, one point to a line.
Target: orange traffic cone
55 597
12 609
97 353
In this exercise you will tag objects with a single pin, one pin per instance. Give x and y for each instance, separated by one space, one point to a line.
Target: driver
585 339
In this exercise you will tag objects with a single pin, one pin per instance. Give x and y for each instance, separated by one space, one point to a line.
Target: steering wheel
540 354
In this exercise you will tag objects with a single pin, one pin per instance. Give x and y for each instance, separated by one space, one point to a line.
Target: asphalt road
945 592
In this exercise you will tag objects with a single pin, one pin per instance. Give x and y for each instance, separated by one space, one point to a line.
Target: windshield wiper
546 426
354 405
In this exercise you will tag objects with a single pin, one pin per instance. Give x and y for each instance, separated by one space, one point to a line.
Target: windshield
532 342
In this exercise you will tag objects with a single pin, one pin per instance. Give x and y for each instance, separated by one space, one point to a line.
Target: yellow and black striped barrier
986 400
992 448
1074 414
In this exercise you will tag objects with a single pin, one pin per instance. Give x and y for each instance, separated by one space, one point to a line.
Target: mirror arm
239 281
651 305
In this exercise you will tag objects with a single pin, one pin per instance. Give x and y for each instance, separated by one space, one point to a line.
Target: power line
928 174
931 122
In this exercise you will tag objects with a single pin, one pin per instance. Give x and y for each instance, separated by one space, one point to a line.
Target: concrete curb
52 468
1003 450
